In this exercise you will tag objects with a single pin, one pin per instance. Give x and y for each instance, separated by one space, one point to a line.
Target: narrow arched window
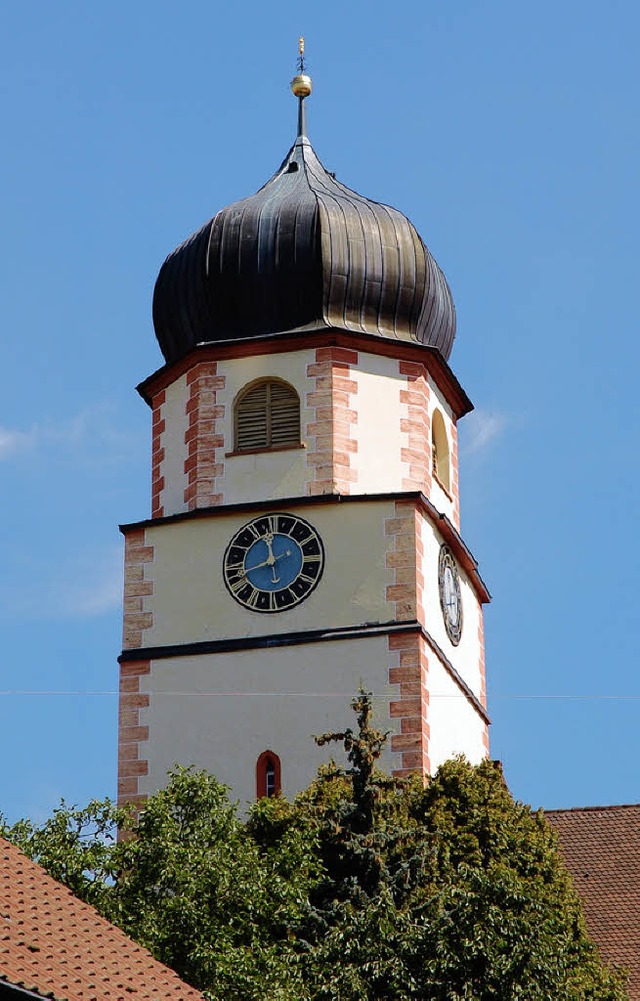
268 775
440 450
267 415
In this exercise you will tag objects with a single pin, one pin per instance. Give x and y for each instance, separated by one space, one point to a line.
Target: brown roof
601 847
54 945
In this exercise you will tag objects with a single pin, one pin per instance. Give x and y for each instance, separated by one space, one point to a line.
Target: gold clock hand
256 566
268 562
268 539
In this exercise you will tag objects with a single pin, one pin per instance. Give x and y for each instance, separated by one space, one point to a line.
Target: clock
450 597
273 562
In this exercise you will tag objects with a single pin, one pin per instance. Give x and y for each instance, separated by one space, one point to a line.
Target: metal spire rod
301 87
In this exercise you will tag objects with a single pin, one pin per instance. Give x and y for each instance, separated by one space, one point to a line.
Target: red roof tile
601 848
54 945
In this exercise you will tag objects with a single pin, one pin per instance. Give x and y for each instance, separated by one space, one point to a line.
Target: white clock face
273 563
450 596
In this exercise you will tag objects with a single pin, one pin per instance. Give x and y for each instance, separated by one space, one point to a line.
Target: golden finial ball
301 85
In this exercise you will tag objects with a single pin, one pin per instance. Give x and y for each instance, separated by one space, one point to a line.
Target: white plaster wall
378 460
220 711
437 399
455 726
264 475
441 500
190 602
465 657
173 411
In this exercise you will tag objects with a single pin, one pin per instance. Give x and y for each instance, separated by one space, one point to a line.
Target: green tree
366 887
507 922
198 891
453 892
190 881
76 846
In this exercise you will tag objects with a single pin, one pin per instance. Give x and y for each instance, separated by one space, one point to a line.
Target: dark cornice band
308 636
450 534
324 337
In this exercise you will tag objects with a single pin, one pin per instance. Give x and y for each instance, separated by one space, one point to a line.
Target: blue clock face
273 562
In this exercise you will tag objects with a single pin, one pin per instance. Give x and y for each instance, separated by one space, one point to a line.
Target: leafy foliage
366 887
75 846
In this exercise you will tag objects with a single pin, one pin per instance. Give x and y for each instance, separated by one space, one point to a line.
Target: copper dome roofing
304 253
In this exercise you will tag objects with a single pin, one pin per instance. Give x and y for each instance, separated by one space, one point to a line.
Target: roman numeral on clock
253 598
237 568
237 584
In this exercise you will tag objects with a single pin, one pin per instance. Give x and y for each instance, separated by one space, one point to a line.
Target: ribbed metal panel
304 252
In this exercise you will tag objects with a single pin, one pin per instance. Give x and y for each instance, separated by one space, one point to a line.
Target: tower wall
223 710
271 681
365 428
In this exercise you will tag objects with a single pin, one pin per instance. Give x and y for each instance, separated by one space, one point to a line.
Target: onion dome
304 253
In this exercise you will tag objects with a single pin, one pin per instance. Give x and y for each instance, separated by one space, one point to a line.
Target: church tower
304 537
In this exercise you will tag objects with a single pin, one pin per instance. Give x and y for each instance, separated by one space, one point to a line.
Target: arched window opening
440 450
268 775
267 416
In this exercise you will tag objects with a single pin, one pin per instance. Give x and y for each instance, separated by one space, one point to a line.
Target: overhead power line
339 695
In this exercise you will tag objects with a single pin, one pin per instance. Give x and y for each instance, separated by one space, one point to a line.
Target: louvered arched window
267 415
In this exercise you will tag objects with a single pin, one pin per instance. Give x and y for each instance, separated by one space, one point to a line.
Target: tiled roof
56 946
601 848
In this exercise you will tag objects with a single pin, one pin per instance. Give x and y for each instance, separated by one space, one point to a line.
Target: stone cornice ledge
368 629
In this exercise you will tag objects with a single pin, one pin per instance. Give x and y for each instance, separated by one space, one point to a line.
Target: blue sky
508 133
